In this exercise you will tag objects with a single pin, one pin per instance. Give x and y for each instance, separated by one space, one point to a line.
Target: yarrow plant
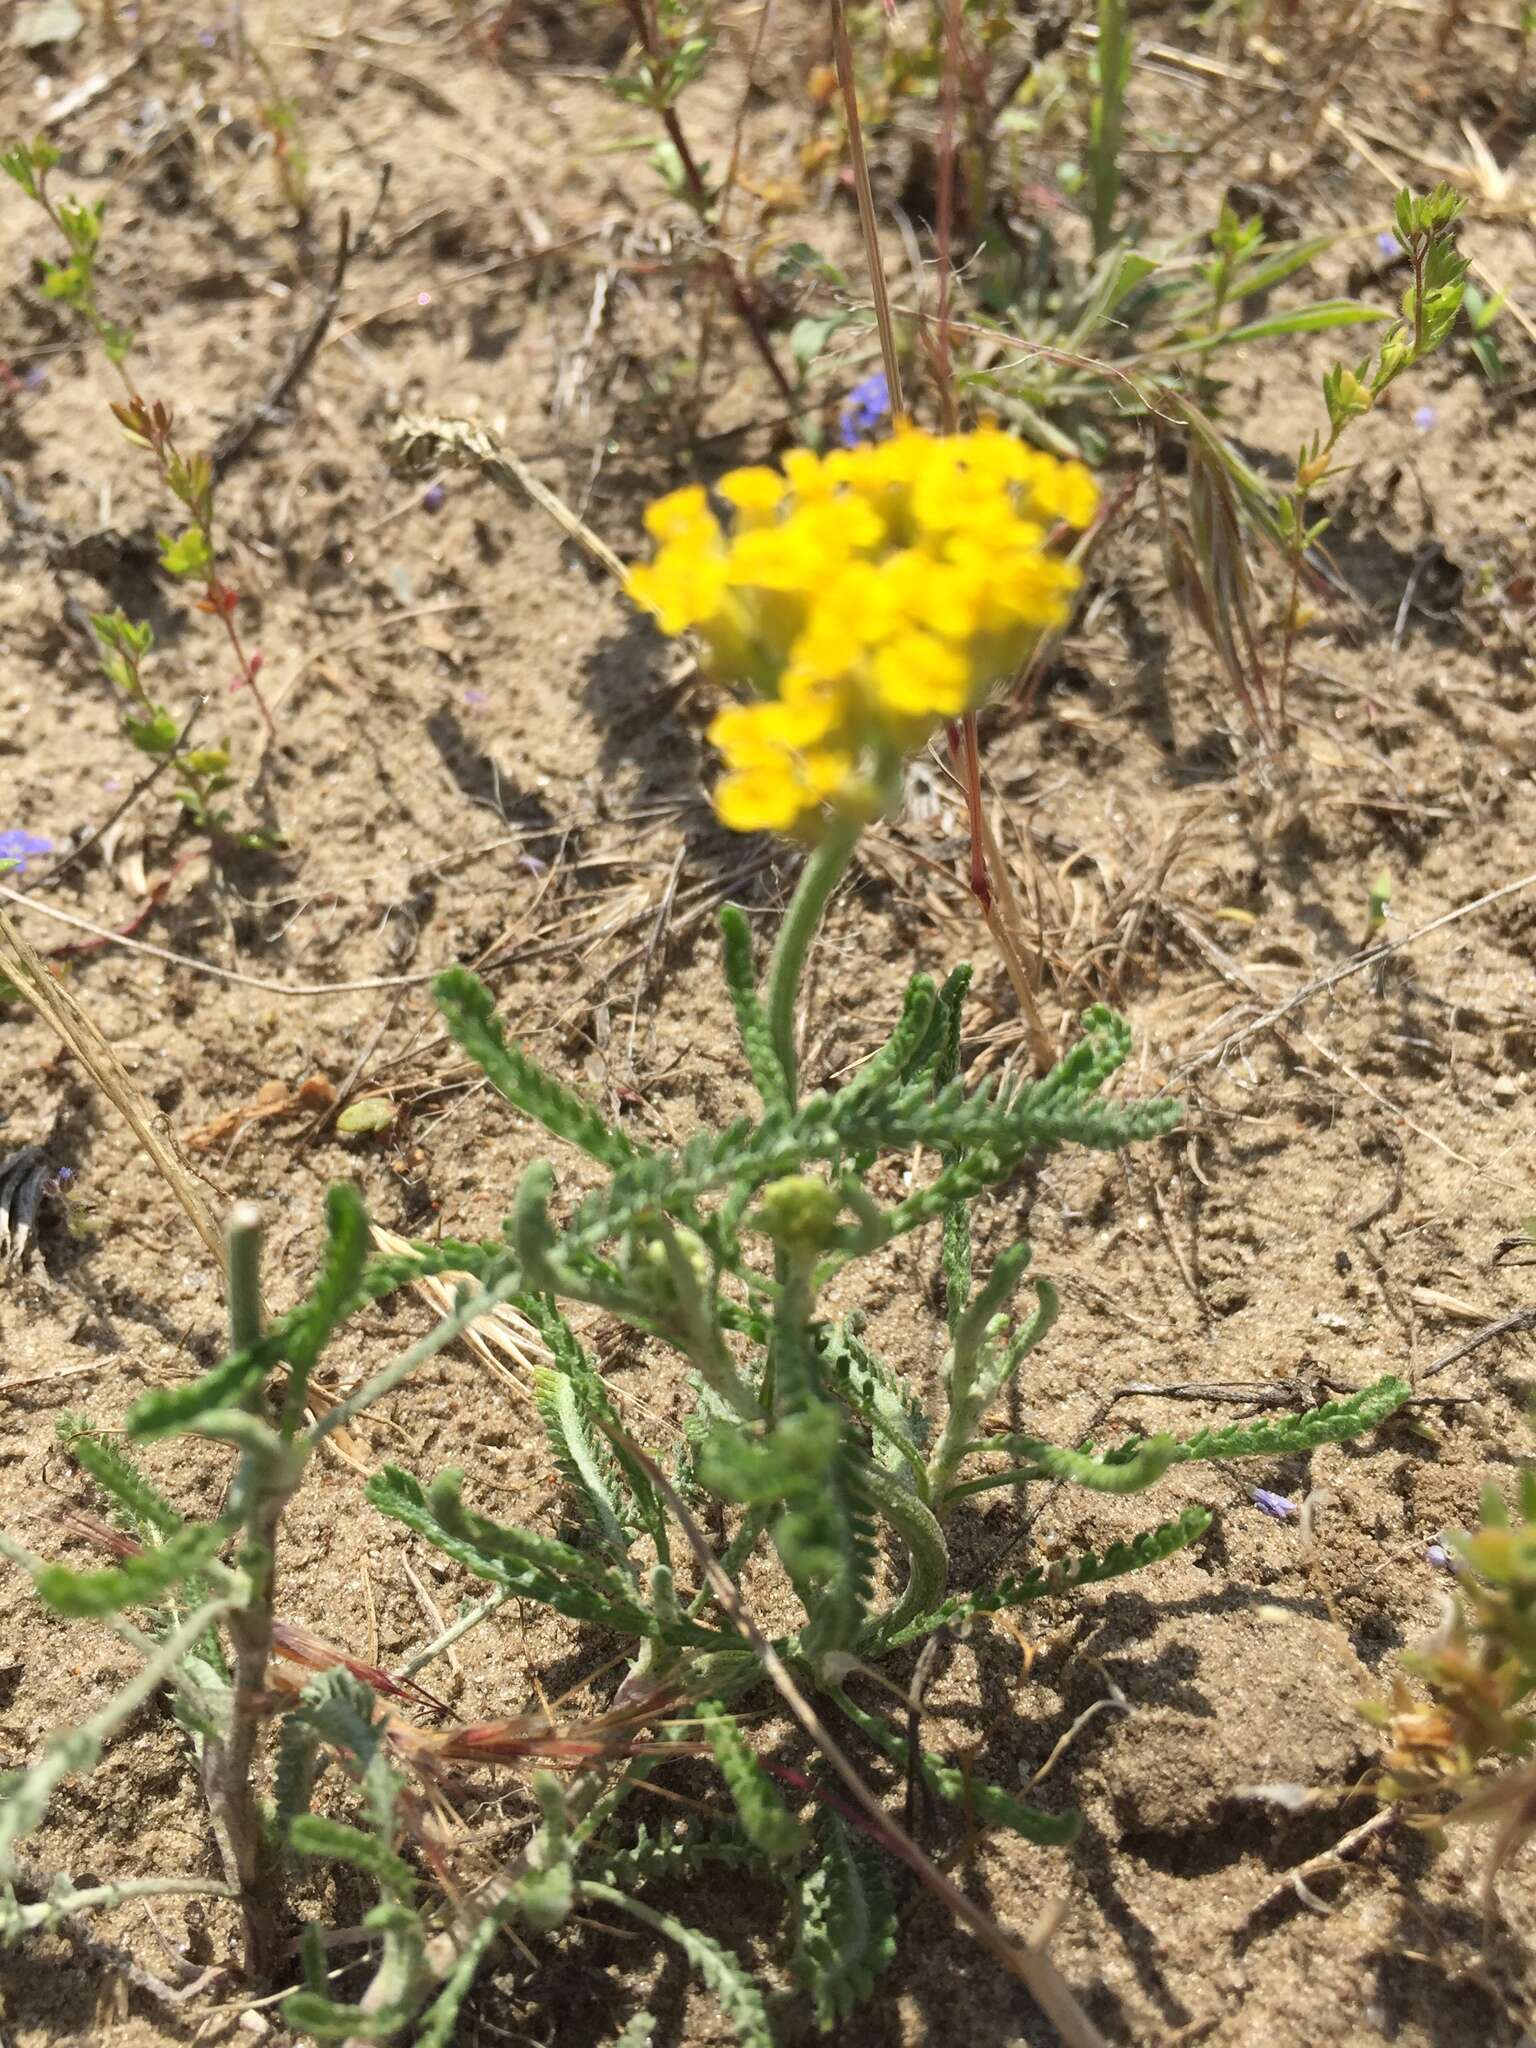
825 1481
865 598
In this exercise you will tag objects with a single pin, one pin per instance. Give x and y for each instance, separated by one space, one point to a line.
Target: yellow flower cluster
864 597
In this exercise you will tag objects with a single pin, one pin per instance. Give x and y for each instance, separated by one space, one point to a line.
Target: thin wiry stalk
843 56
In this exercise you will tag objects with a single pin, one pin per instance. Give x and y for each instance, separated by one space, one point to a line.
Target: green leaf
470 1014
1334 1423
1128 1470
650 1858
581 1464
848 1925
739 1998
1046 1581
186 554
168 1410
315 1834
767 1821
808 337
139 1581
532 1566
157 734
150 1514
751 1019
308 1329
1315 319
545 1892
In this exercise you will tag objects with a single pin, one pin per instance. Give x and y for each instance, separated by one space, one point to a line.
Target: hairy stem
261 1491
818 878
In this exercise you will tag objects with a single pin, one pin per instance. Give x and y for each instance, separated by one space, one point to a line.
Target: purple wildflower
17 848
434 497
1439 1557
1388 244
476 697
1424 418
35 378
867 404
1275 1505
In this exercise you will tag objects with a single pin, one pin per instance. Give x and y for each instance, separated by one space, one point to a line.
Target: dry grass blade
463 444
843 52
500 1335
55 1003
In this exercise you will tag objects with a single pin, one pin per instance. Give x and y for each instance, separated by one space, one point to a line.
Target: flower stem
818 878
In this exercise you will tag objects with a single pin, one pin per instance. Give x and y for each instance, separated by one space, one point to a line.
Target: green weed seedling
189 555
813 1462
1430 307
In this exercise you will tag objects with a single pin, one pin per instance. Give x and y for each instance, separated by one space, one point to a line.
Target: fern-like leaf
147 1511
139 1581
1124 1471
847 1934
651 1857
751 1020
767 1821
316 1834
532 1566
558 1399
724 1973
989 1803
1044 1581
881 1400
470 1013
309 1329
1334 1423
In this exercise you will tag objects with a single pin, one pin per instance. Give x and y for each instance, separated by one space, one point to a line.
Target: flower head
867 404
17 848
1275 1505
861 598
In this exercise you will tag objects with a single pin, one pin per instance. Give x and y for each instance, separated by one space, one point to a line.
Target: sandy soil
484 756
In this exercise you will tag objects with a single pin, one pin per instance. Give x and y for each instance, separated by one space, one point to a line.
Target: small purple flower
1275 1505
1424 418
434 497
1388 244
1439 1557
867 404
35 378
476 697
17 848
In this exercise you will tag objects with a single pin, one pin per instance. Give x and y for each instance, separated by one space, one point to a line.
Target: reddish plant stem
698 194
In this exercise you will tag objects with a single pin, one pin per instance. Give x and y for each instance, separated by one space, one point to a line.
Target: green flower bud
800 1212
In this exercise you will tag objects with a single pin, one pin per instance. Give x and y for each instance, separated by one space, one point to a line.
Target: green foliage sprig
190 556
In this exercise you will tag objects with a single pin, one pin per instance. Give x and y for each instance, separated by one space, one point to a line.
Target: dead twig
239 434
1506 1326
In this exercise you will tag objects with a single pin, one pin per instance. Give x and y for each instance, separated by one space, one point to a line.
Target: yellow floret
919 677
681 514
1067 492
755 494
